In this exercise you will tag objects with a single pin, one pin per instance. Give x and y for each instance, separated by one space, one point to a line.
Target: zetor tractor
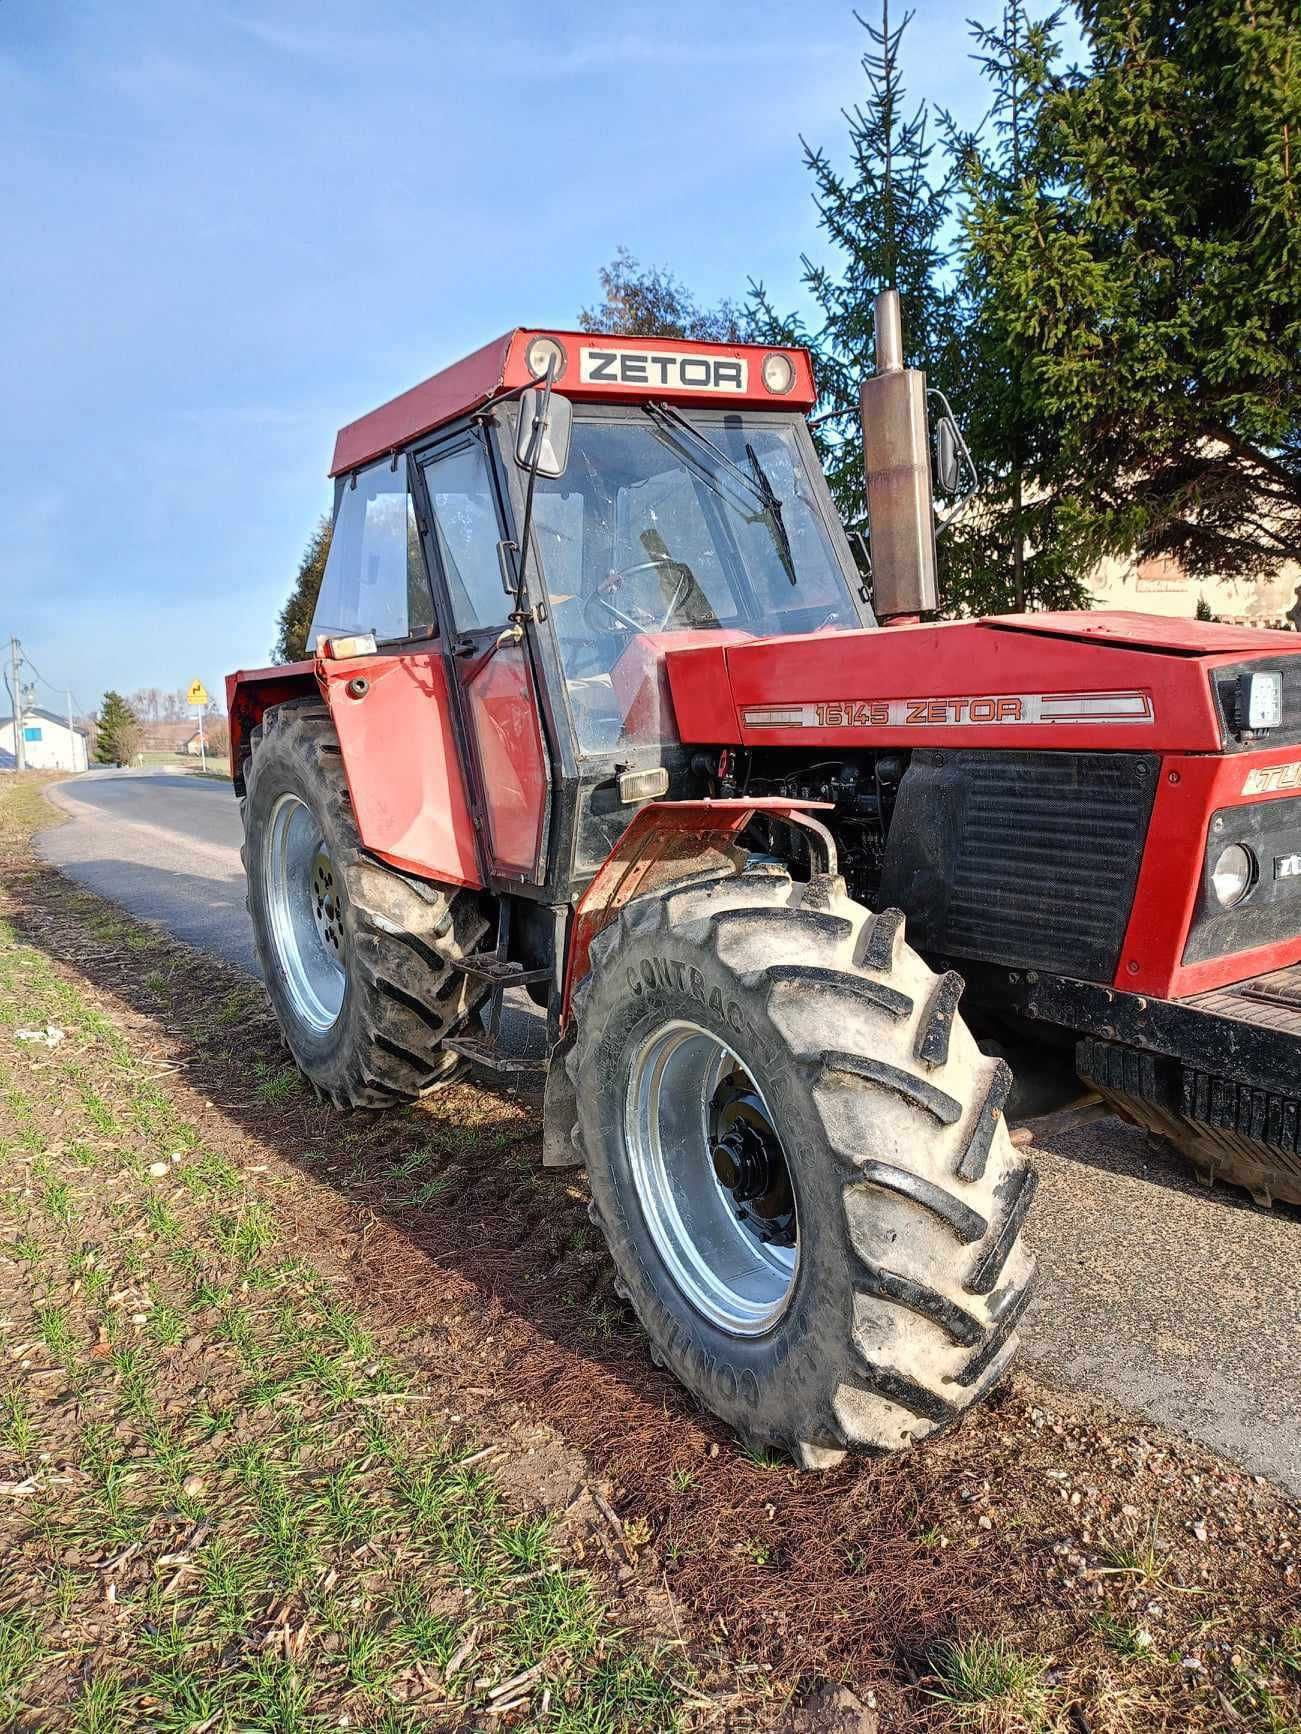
599 709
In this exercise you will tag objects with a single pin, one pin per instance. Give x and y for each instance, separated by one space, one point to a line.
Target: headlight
1233 874
541 353
778 373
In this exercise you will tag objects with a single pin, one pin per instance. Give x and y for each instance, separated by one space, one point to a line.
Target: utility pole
20 745
72 735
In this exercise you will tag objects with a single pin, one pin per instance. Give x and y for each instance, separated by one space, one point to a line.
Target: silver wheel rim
305 913
713 1252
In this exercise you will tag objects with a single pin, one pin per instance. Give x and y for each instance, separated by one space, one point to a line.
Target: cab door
490 662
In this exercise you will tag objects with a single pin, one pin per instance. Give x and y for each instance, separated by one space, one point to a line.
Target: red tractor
599 709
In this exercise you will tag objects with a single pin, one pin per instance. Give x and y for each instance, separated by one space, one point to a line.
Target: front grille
1025 859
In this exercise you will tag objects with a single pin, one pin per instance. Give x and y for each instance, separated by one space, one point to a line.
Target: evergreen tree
649 301
887 215
1015 548
1146 278
295 618
117 732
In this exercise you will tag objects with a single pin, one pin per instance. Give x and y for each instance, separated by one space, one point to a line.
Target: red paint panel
402 765
425 407
929 663
1190 791
1152 631
645 694
501 365
702 695
504 715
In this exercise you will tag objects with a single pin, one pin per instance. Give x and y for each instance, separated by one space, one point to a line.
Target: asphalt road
1180 1303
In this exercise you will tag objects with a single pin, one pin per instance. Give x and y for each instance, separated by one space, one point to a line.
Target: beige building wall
1160 587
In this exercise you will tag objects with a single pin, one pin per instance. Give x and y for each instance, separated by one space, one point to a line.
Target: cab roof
595 368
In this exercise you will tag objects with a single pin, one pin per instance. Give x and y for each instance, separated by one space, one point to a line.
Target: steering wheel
614 581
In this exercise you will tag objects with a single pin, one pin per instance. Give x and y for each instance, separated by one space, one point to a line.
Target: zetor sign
668 372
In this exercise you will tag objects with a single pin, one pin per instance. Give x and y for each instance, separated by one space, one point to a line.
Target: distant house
48 743
166 737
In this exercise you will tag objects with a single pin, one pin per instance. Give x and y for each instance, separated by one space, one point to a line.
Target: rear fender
250 692
667 843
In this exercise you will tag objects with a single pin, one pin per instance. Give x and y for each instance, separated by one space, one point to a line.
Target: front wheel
798 1158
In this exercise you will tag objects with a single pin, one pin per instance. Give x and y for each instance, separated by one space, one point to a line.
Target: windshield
648 532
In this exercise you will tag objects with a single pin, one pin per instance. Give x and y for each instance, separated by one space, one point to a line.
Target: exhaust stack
897 463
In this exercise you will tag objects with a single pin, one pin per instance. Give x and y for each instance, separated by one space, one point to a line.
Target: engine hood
1104 680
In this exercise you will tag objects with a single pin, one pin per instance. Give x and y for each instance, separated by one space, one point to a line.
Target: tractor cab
674 498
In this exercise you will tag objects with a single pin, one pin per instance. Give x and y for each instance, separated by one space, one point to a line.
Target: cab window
375 579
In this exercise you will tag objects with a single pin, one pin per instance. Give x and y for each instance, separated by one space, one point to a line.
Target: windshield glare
648 533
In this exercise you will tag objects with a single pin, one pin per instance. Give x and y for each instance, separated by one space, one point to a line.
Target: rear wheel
797 1155
357 957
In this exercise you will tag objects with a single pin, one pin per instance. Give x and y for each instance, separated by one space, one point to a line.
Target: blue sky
231 225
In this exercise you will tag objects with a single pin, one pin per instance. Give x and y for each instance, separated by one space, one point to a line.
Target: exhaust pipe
897 464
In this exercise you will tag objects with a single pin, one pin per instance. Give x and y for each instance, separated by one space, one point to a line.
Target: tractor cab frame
691 510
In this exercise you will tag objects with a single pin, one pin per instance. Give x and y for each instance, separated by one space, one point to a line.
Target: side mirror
948 456
545 447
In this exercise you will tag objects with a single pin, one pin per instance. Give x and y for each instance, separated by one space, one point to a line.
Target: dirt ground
1052 1564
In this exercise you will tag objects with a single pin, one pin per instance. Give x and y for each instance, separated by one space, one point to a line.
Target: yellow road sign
198 693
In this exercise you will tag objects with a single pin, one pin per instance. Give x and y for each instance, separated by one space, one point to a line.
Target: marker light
541 353
778 373
1260 700
1233 875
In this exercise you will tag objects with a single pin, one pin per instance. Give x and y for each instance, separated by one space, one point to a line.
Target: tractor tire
357 957
751 1033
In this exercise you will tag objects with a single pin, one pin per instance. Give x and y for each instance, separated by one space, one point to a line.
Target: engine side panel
1024 859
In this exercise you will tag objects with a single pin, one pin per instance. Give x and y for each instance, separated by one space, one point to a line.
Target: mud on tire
401 995
911 1274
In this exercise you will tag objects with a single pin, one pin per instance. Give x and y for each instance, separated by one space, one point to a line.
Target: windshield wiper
755 480
774 506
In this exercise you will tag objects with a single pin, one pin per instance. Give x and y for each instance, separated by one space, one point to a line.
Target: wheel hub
748 1161
325 903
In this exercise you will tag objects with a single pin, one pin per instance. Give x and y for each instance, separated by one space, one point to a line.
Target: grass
983 1679
313 1508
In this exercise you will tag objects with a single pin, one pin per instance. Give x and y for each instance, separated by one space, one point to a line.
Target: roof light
778 373
541 353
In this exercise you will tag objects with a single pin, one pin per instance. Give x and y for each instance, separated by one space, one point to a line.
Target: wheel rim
305 913
695 1119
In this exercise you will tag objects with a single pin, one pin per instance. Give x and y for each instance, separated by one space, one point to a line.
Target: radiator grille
1033 856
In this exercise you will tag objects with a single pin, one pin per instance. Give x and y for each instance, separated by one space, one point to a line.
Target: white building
48 743
1161 586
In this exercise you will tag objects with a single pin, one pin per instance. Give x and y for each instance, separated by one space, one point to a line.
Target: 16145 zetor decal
986 708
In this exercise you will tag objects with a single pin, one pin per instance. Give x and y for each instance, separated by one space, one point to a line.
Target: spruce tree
1148 281
1015 548
117 732
886 214
295 618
